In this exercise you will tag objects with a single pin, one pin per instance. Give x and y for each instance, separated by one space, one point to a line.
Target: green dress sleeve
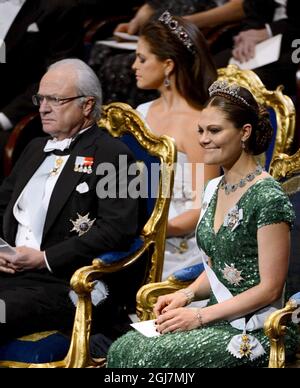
273 206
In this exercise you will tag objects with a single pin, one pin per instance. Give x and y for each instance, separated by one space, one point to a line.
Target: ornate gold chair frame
283 166
275 99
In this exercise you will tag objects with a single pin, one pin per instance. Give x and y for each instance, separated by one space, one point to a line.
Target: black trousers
37 302
34 302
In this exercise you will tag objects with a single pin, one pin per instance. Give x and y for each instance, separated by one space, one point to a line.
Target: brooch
57 165
232 275
233 218
84 164
82 224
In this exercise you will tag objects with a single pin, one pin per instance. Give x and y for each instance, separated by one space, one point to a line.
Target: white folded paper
118 45
147 328
6 248
266 52
126 37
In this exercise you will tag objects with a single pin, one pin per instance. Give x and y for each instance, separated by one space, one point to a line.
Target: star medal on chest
232 275
84 164
57 165
82 225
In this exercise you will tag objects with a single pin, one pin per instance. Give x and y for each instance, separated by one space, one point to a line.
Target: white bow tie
60 145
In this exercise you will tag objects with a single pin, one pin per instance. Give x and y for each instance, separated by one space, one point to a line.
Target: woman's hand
169 302
177 320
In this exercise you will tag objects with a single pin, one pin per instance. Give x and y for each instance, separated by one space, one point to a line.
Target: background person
181 70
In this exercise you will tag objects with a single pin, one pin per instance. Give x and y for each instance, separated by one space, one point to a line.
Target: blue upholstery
150 162
53 347
113 257
270 150
189 273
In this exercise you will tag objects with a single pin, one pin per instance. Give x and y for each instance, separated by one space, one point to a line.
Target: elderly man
36 33
50 210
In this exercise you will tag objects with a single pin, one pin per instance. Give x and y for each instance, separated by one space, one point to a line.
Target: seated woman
181 69
114 66
244 229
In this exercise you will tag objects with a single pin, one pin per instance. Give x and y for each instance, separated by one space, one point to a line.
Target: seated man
52 207
36 34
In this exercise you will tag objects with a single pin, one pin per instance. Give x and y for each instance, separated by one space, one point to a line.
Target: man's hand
24 260
245 42
6 266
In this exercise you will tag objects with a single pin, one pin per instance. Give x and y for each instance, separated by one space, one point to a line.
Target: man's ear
88 106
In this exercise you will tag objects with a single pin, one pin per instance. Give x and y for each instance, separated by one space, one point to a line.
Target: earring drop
167 82
243 144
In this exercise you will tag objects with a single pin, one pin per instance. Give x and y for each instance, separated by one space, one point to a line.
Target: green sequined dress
262 204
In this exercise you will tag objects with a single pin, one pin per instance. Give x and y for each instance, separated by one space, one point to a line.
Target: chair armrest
275 328
82 283
188 274
148 294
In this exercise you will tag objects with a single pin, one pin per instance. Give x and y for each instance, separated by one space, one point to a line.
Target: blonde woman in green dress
243 232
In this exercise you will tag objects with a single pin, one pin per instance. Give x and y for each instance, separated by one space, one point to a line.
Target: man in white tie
50 210
36 33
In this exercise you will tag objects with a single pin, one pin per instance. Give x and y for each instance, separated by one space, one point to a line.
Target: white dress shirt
31 207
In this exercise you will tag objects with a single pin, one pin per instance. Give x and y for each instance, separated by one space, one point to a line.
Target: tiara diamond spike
167 19
223 89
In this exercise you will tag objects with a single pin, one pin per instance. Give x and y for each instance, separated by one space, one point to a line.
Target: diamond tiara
223 89
167 19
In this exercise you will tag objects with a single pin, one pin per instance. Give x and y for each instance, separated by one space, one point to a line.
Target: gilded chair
150 151
25 130
282 114
287 170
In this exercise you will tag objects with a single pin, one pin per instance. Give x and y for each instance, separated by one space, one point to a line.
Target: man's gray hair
88 83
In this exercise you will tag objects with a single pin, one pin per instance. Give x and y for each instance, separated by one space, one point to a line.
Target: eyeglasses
37 99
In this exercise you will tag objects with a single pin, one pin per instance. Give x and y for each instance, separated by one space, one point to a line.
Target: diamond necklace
230 188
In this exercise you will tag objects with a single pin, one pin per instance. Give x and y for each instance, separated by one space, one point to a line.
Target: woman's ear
246 132
169 66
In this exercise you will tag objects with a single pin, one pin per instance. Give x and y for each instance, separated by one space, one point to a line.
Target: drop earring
167 82
243 144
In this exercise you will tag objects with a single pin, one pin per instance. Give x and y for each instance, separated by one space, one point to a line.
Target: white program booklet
6 248
123 36
266 52
118 45
147 328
